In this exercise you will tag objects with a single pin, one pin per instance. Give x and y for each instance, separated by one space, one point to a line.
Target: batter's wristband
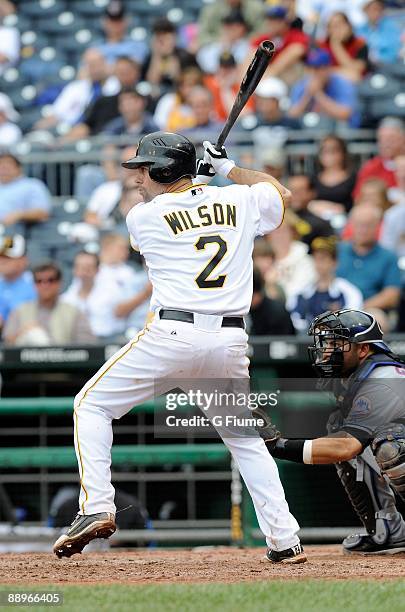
292 450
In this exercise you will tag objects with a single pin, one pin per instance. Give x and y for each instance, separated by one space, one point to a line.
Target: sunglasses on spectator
46 281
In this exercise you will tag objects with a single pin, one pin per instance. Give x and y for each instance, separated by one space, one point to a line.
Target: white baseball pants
168 349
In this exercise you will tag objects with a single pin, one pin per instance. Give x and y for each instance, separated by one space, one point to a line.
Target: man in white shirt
76 96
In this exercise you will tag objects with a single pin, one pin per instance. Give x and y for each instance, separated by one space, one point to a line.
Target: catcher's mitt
268 431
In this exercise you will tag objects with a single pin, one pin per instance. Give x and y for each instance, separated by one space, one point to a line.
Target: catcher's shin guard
389 451
359 495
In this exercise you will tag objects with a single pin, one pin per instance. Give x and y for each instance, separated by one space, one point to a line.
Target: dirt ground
197 565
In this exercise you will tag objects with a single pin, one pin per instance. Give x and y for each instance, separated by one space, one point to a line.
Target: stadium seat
31 41
43 65
379 86
18 21
42 8
28 117
315 121
12 80
394 107
396 70
89 8
70 210
79 42
23 98
63 24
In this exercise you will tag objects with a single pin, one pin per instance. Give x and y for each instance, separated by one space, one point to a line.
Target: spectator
47 320
22 199
205 122
233 40
293 267
335 180
267 316
324 92
211 16
310 226
173 112
316 13
102 206
390 144
224 86
269 94
393 229
291 44
133 118
105 108
78 95
328 292
9 39
132 287
374 192
16 283
93 298
349 53
382 33
366 264
165 61
274 162
263 260
10 133
116 42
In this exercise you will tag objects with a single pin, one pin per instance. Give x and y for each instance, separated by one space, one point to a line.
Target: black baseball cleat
290 556
365 545
82 531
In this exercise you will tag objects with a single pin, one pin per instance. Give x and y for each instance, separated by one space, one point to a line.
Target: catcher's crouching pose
366 437
197 242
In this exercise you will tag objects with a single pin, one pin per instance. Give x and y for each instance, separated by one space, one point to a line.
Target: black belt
188 317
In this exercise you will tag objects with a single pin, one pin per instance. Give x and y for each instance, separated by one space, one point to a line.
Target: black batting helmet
168 156
334 332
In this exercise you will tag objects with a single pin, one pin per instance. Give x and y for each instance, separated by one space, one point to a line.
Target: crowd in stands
111 70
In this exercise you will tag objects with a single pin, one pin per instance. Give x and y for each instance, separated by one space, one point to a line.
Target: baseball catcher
366 432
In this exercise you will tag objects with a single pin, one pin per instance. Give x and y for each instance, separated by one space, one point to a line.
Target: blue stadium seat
32 40
70 210
28 117
42 8
89 8
397 70
43 65
155 8
379 86
315 121
78 42
23 98
393 107
12 80
63 24
17 21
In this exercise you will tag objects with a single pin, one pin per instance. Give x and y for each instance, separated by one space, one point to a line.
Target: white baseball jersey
198 244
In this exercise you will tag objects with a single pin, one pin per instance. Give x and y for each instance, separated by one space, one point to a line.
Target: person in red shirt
349 53
224 86
390 143
291 44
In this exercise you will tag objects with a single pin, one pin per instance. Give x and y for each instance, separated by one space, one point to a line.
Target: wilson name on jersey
198 244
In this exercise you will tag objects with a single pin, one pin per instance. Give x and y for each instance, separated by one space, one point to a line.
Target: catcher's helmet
334 332
168 156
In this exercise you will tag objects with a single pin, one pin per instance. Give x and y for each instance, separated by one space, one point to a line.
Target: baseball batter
197 242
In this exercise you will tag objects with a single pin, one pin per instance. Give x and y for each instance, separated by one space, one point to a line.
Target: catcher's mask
335 332
168 157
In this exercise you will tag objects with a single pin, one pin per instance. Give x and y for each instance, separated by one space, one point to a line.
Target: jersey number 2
202 279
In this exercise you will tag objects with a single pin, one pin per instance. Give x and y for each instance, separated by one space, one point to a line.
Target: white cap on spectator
272 88
6 106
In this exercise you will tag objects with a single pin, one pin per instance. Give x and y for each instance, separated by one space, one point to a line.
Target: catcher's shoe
292 555
82 531
366 545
